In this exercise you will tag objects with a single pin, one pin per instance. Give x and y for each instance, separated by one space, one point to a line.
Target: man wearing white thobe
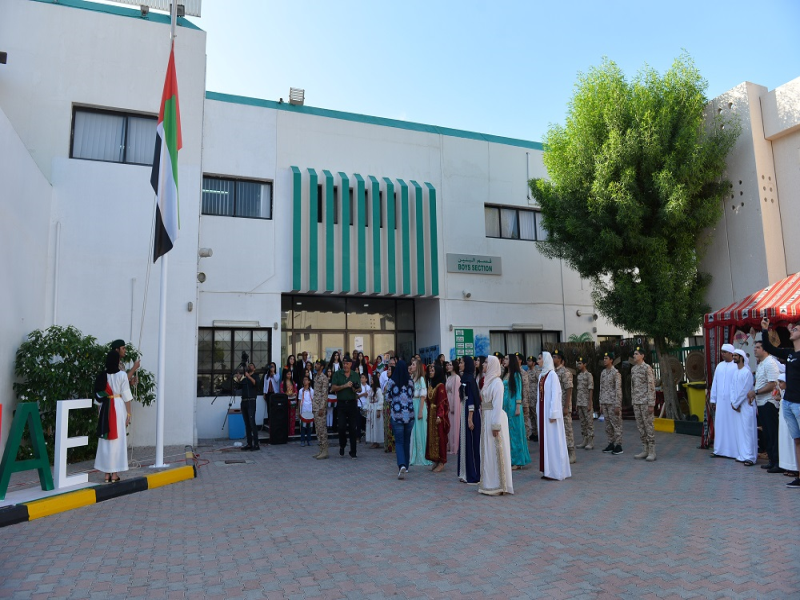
744 411
721 397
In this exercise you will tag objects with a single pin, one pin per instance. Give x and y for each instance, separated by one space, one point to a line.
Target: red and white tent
779 301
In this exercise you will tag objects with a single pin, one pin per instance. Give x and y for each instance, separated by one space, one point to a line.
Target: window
112 136
219 354
514 223
527 343
237 198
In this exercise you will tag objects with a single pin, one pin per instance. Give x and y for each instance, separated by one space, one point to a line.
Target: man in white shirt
766 379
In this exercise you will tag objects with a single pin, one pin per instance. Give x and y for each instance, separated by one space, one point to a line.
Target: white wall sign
474 264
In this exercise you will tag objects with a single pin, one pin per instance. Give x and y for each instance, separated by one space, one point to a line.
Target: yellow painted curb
667 425
171 476
57 504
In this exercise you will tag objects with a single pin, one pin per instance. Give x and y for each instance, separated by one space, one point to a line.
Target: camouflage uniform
611 402
531 388
565 377
643 397
584 388
320 403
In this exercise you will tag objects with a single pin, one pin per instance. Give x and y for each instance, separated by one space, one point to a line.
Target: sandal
115 479
107 479
748 463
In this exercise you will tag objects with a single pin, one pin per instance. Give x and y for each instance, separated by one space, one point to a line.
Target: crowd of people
770 400
477 412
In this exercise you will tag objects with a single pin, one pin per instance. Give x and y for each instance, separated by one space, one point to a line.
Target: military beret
498 354
557 352
580 360
532 358
639 350
609 355
518 355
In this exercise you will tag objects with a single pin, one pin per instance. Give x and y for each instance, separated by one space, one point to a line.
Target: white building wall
60 57
25 220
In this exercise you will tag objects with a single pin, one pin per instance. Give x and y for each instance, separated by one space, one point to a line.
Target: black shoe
341 451
617 449
353 456
535 438
255 448
247 448
609 448
794 484
767 466
775 469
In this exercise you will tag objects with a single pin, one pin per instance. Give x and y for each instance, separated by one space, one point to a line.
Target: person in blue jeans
400 395
790 406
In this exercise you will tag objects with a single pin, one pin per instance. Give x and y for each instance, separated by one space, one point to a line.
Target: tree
580 339
636 175
60 363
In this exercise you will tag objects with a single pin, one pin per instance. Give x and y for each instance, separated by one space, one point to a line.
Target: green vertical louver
329 219
434 240
419 227
297 229
375 194
391 235
344 201
406 236
313 231
361 234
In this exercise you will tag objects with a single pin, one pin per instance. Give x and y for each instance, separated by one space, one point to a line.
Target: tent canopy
780 302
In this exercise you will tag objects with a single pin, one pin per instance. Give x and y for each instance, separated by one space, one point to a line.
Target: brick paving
287 526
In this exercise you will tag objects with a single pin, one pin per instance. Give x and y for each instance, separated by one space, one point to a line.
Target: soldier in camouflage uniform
532 375
320 407
565 377
583 389
643 397
611 404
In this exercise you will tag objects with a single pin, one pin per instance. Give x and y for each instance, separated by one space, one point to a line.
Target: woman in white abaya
495 443
553 456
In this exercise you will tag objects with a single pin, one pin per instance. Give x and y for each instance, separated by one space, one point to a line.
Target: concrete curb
36 509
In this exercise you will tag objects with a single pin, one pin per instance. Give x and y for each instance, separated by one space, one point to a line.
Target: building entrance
321 325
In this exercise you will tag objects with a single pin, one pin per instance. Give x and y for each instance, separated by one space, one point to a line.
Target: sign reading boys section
473 264
465 342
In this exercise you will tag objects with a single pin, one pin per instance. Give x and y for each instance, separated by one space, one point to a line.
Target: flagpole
162 315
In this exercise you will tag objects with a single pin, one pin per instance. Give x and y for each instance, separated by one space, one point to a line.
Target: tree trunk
667 381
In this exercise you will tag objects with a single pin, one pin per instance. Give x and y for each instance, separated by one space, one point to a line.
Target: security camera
467 294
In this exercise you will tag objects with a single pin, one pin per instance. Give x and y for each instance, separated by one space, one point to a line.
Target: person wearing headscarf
114 393
438 408
400 395
469 446
453 386
721 397
553 455
419 441
512 405
495 446
744 411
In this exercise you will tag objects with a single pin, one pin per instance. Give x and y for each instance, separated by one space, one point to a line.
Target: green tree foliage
61 363
580 339
635 177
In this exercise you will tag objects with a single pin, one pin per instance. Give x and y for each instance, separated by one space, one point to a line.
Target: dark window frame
236 180
517 209
111 112
235 359
526 352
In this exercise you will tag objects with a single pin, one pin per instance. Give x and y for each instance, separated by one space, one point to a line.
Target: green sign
465 343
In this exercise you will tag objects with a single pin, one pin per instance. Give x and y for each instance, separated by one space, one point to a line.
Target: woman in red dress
438 418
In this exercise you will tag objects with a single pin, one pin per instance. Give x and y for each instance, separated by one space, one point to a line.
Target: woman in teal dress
419 437
512 405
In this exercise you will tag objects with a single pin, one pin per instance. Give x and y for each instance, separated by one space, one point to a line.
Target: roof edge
381 121
120 11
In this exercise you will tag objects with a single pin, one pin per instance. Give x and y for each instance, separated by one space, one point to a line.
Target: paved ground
287 526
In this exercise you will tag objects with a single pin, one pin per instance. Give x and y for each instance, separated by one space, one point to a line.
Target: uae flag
164 177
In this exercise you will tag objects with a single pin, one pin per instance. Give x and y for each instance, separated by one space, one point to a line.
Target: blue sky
503 67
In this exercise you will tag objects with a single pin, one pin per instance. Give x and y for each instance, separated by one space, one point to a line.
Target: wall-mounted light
467 294
275 326
451 327
205 252
586 313
190 307
201 277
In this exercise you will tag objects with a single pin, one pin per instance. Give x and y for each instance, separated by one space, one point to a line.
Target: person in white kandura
721 397
553 453
744 415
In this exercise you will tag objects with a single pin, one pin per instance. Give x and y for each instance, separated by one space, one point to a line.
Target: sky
502 67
